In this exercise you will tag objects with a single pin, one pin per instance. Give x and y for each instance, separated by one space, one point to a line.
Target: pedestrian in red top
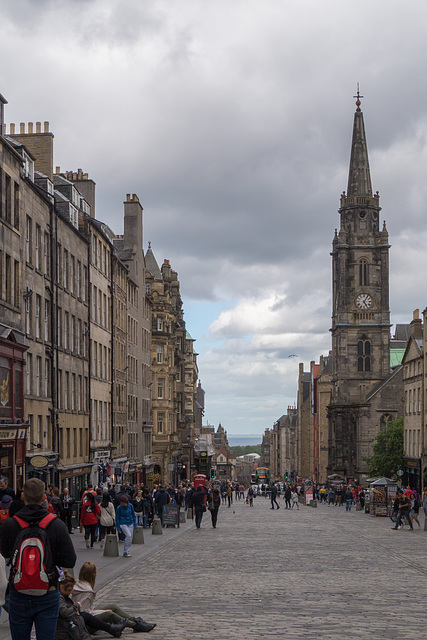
89 519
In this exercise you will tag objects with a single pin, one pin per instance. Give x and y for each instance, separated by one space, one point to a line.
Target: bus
262 475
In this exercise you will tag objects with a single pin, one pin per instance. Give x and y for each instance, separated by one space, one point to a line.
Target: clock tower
360 311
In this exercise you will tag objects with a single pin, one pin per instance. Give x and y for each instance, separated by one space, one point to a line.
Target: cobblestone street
313 573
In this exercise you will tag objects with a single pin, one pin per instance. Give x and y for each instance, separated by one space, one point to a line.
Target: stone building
363 389
138 379
413 389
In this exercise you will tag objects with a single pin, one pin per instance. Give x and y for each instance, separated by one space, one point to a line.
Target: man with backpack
35 544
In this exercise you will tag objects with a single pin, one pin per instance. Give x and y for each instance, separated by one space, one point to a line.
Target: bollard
111 546
157 528
138 535
182 518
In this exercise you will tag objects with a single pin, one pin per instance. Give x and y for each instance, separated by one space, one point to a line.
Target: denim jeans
40 610
139 518
348 504
403 514
128 531
199 516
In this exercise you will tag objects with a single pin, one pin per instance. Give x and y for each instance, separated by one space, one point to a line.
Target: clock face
363 301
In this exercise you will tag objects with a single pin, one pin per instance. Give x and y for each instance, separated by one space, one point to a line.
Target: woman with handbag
89 519
214 504
107 519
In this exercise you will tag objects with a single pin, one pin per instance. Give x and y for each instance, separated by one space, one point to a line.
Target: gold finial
358 96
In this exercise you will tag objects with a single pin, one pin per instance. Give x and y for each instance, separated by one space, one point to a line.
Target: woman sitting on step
83 593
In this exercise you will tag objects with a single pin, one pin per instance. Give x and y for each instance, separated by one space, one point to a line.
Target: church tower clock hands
360 308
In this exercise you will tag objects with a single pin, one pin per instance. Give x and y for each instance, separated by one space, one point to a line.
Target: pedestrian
5 489
107 518
198 503
331 496
148 509
214 504
84 594
138 505
404 505
89 519
161 498
250 497
67 508
348 496
125 522
6 501
55 504
295 502
241 491
17 504
415 509
287 497
89 490
362 499
273 496
42 610
229 495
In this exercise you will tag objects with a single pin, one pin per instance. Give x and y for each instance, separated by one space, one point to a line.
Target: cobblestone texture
314 573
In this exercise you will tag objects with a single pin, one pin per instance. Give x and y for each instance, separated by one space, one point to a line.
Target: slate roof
152 266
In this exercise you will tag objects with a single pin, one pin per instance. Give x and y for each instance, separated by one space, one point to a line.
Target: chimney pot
128 197
30 127
22 127
46 127
12 128
38 127
58 170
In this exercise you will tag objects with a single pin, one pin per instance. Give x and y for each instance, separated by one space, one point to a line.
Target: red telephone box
199 478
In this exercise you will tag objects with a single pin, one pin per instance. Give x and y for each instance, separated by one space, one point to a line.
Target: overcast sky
232 121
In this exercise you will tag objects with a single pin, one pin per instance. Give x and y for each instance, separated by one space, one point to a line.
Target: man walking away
288 496
42 610
67 509
251 496
404 508
161 498
348 499
273 496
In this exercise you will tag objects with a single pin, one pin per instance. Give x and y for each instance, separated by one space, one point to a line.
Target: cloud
232 122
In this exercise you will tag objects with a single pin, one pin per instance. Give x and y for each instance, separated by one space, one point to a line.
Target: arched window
363 272
363 355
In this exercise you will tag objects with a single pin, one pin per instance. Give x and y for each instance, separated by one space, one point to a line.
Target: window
160 388
28 371
84 284
46 264
78 278
38 316
46 320
28 239
16 283
38 375
65 269
159 355
38 246
160 422
364 355
46 391
66 329
28 315
363 272
159 324
72 270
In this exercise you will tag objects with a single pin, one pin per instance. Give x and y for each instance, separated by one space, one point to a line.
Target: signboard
400 473
101 454
39 462
171 514
308 496
8 435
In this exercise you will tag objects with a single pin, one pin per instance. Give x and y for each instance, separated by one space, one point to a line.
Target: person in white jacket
83 593
107 518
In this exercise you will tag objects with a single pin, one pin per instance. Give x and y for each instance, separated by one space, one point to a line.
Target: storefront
412 473
75 478
13 427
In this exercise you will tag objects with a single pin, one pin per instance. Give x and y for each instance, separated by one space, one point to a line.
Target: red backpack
32 571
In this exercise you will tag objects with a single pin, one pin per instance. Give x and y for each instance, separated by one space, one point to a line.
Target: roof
402 332
359 177
152 266
382 383
396 357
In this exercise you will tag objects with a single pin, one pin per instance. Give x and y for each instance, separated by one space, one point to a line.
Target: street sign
400 473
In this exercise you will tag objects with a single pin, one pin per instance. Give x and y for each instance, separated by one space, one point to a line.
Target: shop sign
8 435
126 468
101 454
39 462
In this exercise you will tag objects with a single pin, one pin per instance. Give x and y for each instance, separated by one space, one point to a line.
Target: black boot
141 625
116 629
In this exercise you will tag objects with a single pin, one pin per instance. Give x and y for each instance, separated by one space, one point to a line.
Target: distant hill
244 450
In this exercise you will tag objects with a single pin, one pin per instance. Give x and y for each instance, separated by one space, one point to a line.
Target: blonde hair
87 573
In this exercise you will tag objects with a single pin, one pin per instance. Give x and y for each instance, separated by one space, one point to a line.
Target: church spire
359 176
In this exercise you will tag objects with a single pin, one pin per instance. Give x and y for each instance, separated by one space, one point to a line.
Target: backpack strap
43 522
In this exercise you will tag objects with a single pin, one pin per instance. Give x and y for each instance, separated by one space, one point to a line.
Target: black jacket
161 498
63 554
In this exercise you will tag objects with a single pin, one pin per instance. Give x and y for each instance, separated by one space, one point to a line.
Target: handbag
203 508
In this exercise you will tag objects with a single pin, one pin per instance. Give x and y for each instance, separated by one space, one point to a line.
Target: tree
387 455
